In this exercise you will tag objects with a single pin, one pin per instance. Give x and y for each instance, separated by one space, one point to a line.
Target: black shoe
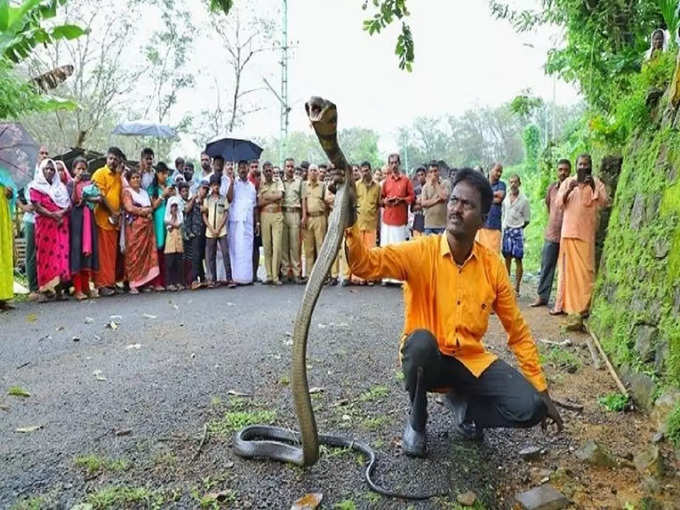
346 283
300 280
414 443
466 430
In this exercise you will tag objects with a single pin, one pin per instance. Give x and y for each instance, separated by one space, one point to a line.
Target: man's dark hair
443 165
394 154
304 164
367 164
219 156
480 183
420 169
147 151
254 161
434 164
215 179
204 153
179 160
564 162
182 185
242 162
587 156
287 160
267 163
324 166
188 164
116 152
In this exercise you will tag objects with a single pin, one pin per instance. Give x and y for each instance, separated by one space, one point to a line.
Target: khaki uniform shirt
217 208
368 202
315 194
270 188
292 193
435 216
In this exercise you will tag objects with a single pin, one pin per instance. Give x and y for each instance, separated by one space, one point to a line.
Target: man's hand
551 413
588 179
303 222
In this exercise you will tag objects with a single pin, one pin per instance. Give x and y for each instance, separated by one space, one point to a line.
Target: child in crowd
183 189
194 234
215 216
174 246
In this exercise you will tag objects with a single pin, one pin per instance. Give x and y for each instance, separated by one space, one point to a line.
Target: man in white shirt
515 217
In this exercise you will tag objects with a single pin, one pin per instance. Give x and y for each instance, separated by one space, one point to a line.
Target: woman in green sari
8 194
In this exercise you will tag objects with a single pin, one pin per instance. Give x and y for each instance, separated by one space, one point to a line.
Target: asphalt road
167 368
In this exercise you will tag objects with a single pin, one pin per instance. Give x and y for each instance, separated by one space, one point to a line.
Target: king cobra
276 443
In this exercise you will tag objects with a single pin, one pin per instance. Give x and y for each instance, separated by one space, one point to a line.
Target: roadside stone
661 248
638 211
649 462
663 406
530 453
660 356
645 342
594 453
658 437
467 498
642 390
543 497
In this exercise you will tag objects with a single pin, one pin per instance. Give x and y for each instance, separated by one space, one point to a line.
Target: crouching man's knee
420 350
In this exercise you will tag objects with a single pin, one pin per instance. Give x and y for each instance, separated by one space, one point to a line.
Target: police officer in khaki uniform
314 222
269 199
292 210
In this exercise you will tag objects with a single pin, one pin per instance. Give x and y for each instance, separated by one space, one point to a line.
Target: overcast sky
464 58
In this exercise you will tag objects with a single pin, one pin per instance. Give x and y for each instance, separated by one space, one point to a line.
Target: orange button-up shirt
451 302
397 187
580 212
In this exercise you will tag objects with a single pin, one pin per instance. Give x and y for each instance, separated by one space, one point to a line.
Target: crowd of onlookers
147 227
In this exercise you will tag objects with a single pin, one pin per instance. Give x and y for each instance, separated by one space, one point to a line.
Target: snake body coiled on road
264 441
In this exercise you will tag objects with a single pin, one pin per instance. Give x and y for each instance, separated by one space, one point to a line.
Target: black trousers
499 397
551 252
197 251
174 269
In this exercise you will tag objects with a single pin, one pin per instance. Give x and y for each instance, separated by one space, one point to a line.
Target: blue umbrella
233 149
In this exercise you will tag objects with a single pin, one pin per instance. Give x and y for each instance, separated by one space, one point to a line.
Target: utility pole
285 108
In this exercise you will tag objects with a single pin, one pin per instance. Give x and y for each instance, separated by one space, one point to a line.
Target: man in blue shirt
490 234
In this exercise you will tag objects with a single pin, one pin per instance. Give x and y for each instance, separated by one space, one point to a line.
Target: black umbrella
233 149
18 152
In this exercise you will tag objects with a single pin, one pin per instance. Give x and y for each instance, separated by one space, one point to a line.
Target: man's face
205 162
242 171
393 164
366 173
112 161
378 176
313 173
268 173
583 168
289 168
322 174
495 173
433 173
184 193
420 177
214 189
356 173
188 173
563 171
463 213
179 166
42 153
514 183
218 165
147 161
255 168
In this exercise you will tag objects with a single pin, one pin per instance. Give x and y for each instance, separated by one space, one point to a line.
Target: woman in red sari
50 198
141 257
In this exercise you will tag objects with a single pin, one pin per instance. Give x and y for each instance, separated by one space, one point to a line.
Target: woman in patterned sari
50 197
141 257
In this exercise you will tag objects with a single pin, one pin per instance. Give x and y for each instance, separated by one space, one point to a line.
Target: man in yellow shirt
106 216
314 221
451 283
269 198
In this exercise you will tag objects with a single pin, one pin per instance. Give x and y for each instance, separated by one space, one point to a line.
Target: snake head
322 112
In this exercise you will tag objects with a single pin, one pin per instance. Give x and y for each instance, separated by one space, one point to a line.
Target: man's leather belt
315 214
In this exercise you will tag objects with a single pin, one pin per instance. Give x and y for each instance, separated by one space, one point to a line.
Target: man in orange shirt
451 284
